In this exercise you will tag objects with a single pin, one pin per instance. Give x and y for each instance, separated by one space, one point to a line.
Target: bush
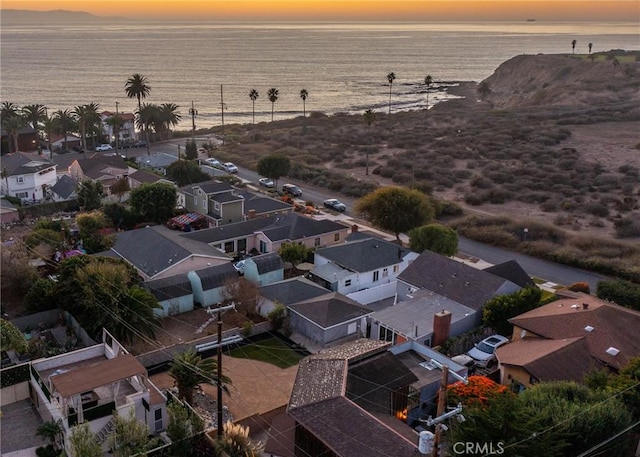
580 287
621 292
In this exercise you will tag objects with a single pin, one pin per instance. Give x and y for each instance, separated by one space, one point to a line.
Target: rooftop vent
612 351
589 328
575 306
585 305
428 365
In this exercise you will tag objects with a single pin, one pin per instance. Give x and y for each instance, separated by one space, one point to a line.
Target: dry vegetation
556 141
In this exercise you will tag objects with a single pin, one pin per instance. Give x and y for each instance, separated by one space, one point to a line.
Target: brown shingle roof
612 326
100 373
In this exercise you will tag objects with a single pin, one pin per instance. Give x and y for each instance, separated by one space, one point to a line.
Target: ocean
343 67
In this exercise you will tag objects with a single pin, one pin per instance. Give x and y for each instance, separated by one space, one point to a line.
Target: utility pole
219 310
193 112
117 129
442 406
222 108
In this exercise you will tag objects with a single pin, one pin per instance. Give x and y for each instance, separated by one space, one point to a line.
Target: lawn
270 350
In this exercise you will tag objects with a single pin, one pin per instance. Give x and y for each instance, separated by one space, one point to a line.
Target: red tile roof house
566 339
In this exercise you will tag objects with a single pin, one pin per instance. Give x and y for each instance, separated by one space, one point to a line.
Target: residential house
566 339
27 139
126 132
61 143
8 212
267 234
174 294
209 283
328 319
90 384
428 318
264 269
27 177
105 169
158 252
359 398
286 292
64 189
157 162
140 177
359 265
227 204
452 279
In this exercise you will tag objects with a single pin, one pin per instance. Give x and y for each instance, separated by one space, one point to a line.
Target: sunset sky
328 10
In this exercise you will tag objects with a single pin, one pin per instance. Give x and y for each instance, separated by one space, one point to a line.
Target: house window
22 195
385 272
336 237
263 247
376 276
347 282
316 242
20 179
216 206
158 419
195 200
396 268
204 204
386 334
516 387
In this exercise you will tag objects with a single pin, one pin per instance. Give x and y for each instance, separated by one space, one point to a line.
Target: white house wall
374 294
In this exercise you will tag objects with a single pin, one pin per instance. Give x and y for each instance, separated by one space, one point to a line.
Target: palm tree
51 431
573 46
253 95
34 114
428 80
64 120
168 117
303 95
590 46
484 89
273 97
49 126
88 117
369 117
12 121
137 86
116 123
148 115
390 77
188 370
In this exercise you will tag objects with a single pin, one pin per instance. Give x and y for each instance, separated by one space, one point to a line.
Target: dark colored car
140 144
292 190
335 204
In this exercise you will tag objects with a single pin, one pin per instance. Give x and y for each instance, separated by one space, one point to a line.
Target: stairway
105 431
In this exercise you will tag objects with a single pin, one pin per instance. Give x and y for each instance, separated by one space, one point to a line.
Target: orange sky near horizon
320 10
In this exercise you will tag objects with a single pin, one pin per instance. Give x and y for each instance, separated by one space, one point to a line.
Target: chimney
441 327
354 228
251 214
585 305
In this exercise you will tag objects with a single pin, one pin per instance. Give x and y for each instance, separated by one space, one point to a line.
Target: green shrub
621 292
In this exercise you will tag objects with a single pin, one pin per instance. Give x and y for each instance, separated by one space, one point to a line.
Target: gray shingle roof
512 271
296 227
143 176
229 231
216 276
329 310
268 262
261 204
292 290
64 187
171 287
21 164
451 279
364 255
155 249
98 165
212 187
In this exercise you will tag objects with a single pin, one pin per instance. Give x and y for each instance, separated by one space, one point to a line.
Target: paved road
550 271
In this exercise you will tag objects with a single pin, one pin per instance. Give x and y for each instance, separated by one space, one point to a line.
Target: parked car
229 167
239 266
140 144
212 162
104 147
292 190
484 351
465 361
267 182
335 204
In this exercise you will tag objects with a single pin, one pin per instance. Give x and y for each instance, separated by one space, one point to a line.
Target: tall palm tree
573 46
188 370
88 117
303 95
369 117
115 122
34 114
64 121
390 77
11 120
168 117
49 127
137 86
273 97
428 80
253 95
148 115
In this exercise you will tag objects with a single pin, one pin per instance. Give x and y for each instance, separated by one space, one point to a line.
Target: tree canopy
434 237
185 172
90 195
11 337
500 309
154 202
396 209
188 370
294 253
274 166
